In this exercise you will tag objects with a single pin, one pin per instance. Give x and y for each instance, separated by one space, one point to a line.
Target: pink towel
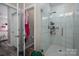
27 26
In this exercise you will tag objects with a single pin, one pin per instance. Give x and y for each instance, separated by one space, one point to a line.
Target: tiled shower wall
66 21
76 29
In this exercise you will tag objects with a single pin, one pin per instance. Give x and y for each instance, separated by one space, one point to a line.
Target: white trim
24 27
27 8
11 6
30 6
34 26
17 39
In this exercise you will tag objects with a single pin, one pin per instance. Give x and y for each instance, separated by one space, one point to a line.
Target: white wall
37 27
76 28
65 22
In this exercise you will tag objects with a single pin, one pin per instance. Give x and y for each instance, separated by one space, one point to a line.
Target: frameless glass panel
57 29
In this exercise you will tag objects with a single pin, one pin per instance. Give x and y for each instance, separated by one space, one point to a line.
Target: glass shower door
52 32
45 41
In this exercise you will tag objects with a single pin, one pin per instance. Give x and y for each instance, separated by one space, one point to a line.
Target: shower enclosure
59 23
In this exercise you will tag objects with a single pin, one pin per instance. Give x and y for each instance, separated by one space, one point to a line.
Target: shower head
52 12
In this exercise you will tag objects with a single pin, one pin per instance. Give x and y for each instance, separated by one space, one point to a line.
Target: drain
60 50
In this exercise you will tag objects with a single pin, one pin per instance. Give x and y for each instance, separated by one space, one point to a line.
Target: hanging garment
27 26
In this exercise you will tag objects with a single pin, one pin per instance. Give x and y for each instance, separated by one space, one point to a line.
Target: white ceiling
14 4
21 4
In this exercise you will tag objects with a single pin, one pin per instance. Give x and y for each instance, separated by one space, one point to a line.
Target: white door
14 29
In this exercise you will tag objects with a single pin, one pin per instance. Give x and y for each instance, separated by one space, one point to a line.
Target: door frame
28 8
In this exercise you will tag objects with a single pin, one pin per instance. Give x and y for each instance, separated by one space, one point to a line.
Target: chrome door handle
62 31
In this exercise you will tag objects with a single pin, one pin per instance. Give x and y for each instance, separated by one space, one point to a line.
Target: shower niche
52 28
